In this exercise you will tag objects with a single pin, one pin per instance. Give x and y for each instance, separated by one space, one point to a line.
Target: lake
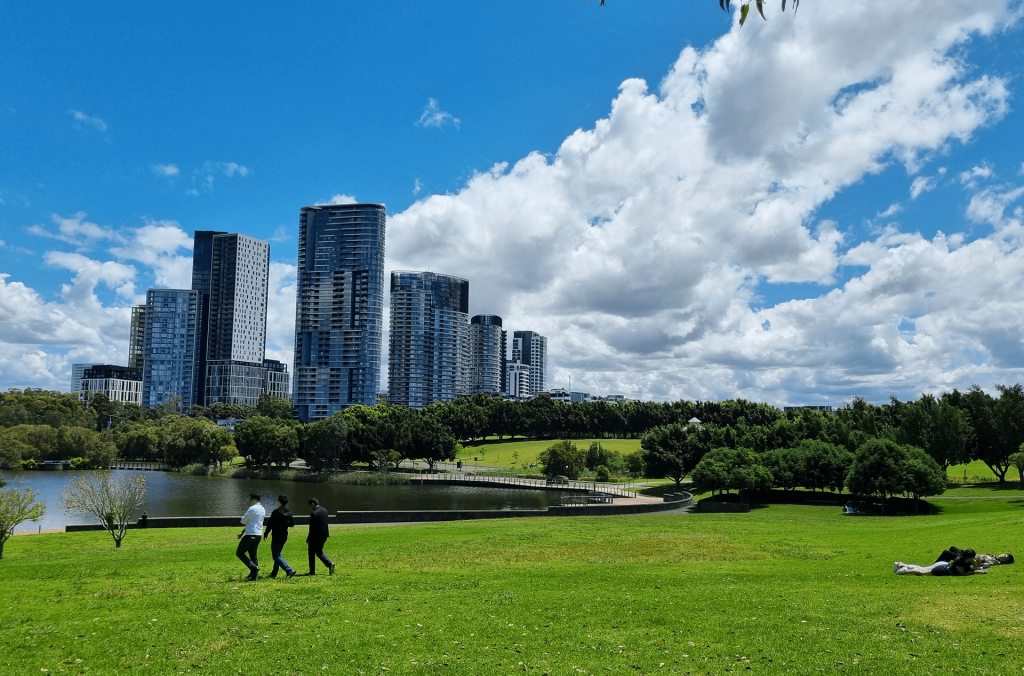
170 494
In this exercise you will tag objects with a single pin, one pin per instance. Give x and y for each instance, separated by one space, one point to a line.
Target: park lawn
783 589
496 453
977 468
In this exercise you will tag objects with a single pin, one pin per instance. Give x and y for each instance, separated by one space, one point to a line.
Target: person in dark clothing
280 521
964 563
319 531
984 560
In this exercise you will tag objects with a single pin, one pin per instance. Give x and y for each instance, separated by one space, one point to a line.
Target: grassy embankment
499 453
783 589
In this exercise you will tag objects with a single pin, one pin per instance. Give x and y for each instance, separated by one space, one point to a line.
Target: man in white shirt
249 538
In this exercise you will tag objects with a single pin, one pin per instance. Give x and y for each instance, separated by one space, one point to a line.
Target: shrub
82 463
31 464
602 473
563 457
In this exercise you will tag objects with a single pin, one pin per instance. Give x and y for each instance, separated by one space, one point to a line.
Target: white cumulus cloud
640 245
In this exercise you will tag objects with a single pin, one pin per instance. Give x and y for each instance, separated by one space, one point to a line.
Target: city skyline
858 235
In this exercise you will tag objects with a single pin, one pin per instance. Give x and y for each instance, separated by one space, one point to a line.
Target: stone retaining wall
405 516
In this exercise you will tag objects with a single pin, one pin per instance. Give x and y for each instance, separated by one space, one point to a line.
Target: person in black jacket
280 521
319 531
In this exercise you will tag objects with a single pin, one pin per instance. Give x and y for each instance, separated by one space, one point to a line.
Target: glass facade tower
339 308
428 340
486 355
171 347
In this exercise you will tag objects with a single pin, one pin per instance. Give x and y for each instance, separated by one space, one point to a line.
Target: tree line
952 429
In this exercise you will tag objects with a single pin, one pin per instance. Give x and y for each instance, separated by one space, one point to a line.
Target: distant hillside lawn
499 453
783 589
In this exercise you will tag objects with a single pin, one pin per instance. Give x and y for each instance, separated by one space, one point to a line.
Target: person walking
280 521
319 531
249 538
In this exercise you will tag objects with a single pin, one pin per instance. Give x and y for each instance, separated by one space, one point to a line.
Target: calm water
169 494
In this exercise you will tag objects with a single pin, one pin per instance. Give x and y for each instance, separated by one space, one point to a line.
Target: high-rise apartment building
137 338
339 308
486 355
531 348
275 378
77 372
428 338
517 380
232 272
171 346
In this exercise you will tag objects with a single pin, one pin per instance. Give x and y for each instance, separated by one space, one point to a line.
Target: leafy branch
744 7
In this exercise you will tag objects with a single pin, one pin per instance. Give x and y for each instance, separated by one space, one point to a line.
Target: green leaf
744 10
760 9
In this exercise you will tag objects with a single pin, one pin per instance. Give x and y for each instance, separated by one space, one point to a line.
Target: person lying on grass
965 563
984 560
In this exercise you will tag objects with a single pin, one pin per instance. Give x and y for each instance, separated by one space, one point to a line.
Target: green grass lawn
979 469
499 453
783 589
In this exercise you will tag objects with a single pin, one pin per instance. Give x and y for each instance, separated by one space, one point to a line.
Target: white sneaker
896 565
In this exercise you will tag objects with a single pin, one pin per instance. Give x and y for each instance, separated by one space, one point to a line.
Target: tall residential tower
428 339
531 348
339 308
232 272
486 355
171 352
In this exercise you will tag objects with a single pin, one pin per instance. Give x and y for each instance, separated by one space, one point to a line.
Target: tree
674 450
726 5
326 444
923 476
17 505
112 501
1008 416
186 441
431 440
879 469
985 444
12 450
634 463
274 407
732 469
264 440
563 457
787 466
596 455
950 435
1017 459
79 442
825 465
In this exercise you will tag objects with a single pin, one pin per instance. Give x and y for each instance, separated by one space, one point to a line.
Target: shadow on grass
992 486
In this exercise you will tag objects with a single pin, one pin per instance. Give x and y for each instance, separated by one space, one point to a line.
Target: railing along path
597 487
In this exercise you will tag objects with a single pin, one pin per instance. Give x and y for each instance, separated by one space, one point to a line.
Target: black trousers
246 551
316 551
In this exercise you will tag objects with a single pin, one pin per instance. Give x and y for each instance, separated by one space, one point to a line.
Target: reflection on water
169 494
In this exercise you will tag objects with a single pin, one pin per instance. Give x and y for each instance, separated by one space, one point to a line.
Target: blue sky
793 175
